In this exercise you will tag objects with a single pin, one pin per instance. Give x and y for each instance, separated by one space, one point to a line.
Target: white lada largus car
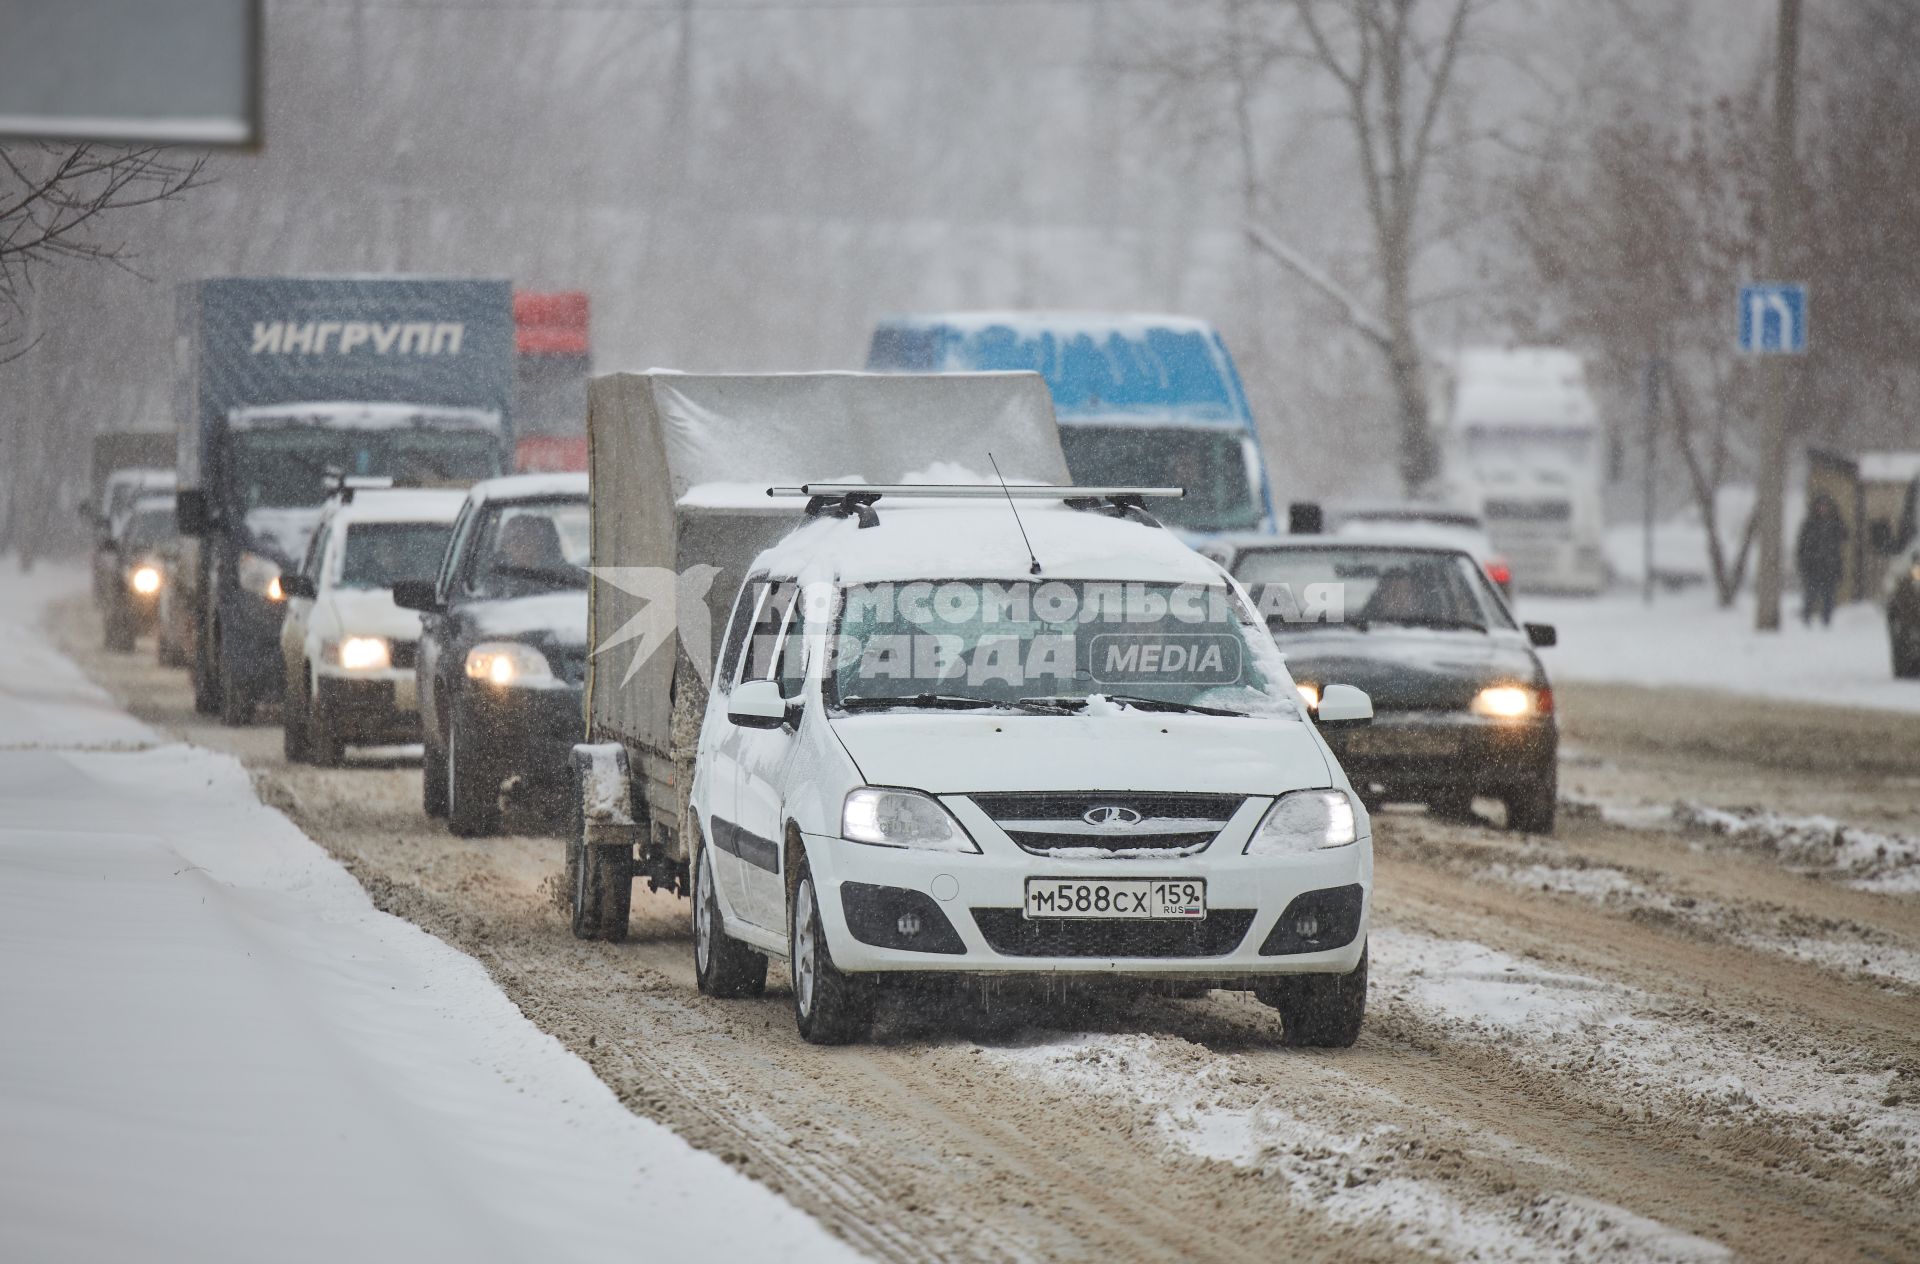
347 649
929 750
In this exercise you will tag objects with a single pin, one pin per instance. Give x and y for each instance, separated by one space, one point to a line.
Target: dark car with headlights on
503 648
1461 704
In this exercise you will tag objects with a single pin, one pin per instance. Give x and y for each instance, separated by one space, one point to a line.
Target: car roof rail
856 500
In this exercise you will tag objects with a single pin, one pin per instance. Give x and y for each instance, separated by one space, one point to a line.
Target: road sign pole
1776 377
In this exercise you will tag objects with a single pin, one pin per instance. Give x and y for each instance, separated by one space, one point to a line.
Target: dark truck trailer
283 383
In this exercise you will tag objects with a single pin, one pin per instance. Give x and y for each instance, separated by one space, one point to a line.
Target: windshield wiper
1433 621
939 701
1078 703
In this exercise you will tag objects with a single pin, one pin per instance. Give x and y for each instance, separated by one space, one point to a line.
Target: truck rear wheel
602 886
1319 1011
722 966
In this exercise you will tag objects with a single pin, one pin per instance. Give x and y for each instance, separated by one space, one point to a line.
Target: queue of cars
1006 727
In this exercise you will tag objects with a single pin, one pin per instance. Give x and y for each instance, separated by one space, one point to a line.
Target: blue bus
1142 400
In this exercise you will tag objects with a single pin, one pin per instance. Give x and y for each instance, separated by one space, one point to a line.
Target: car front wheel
1320 1011
829 1007
1531 805
473 790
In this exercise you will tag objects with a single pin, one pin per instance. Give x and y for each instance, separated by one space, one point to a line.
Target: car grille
1009 933
1110 822
403 653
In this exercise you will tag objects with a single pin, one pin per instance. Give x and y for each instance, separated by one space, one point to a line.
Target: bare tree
54 200
1394 70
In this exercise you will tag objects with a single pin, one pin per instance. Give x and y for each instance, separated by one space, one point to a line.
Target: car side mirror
416 594
296 585
190 512
1344 707
757 704
1543 635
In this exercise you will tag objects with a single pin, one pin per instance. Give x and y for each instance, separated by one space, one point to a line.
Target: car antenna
1035 568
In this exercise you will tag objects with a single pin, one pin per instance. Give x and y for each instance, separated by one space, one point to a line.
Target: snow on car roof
978 539
361 415
400 504
529 487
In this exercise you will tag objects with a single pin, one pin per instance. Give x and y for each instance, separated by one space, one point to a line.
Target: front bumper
1416 752
529 732
981 898
370 707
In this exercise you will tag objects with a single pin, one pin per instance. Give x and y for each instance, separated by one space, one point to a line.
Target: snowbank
214 1048
1685 639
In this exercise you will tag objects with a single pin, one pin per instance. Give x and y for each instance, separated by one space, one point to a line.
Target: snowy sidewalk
212 1047
1684 639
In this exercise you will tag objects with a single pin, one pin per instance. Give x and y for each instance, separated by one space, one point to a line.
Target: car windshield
531 547
1303 587
1210 463
382 554
291 467
149 528
1052 647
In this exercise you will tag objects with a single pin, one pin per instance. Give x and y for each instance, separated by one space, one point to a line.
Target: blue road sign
1773 319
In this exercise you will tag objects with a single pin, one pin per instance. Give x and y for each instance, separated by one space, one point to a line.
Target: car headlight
1506 702
261 575
901 818
1306 820
360 653
144 580
508 663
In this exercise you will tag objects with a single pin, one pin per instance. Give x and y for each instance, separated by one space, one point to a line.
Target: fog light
908 925
1307 926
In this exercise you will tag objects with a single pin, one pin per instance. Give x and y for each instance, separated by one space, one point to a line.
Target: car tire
1319 1011
293 728
1531 805
1453 804
120 630
206 680
473 792
433 781
722 965
600 880
236 704
829 1007
1906 653
324 745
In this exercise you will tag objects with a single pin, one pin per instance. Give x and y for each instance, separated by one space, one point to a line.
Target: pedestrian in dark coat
1819 552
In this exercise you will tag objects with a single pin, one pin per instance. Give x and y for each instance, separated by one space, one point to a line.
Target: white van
930 748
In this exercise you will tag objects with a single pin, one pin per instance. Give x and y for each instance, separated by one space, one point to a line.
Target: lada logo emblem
1110 815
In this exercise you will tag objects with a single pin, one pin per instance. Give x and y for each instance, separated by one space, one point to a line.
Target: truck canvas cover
680 464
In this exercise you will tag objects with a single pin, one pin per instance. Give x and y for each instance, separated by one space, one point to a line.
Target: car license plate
1402 743
1152 899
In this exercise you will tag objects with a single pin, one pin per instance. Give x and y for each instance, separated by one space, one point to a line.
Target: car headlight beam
508 663
1305 821
365 653
1505 702
901 818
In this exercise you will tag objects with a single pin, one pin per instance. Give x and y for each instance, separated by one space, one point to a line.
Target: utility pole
1651 404
1776 374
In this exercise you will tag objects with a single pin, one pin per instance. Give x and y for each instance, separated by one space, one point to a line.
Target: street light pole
1776 376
